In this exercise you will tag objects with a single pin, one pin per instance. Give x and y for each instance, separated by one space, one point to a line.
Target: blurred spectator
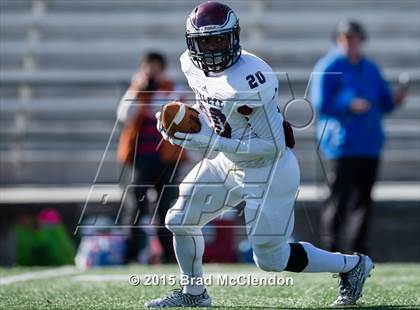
146 159
43 241
351 97
101 243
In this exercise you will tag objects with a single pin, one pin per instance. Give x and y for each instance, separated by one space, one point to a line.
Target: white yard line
49 273
125 277
103 277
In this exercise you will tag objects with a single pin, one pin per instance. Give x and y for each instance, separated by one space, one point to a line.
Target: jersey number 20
255 79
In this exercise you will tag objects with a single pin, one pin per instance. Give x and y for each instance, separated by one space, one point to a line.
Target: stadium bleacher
64 65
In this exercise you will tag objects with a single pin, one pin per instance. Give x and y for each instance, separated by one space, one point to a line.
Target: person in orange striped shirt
140 149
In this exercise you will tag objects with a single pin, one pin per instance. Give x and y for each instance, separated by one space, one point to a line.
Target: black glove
288 135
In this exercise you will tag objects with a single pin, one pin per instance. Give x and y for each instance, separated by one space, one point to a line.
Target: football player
236 96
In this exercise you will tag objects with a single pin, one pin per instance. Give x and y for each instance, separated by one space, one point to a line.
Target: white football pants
214 187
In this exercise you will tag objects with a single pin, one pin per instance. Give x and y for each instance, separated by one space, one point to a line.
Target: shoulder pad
253 80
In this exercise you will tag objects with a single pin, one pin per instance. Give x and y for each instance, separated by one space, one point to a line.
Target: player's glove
195 141
198 141
190 141
162 131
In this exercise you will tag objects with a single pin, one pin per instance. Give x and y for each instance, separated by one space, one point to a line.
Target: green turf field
393 286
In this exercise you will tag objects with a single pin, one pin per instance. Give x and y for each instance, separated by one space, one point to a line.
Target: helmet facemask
214 61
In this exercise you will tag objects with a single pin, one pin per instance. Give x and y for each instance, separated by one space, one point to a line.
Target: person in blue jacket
351 97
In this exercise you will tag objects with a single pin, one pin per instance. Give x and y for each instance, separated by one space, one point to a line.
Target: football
179 117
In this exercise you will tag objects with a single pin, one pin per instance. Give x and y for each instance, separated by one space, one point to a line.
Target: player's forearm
267 126
253 146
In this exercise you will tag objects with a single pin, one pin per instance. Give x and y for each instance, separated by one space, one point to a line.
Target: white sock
350 261
324 261
189 251
193 289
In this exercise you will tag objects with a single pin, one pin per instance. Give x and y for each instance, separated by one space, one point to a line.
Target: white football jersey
241 103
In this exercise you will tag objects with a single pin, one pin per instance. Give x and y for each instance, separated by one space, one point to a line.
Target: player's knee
263 263
174 217
169 221
271 257
173 221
